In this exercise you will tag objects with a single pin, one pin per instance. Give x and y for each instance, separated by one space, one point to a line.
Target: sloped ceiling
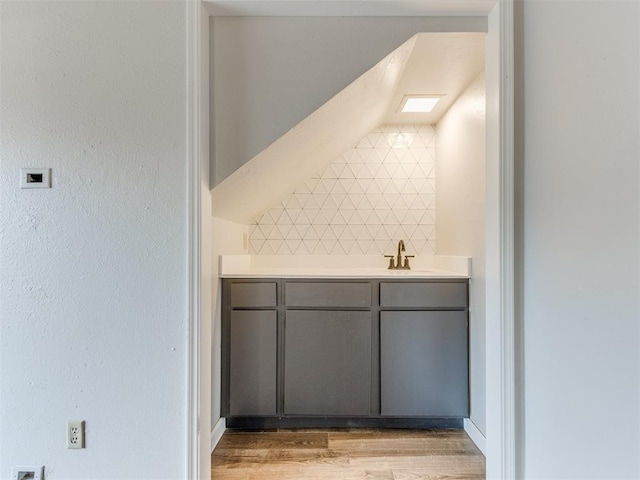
429 63
313 143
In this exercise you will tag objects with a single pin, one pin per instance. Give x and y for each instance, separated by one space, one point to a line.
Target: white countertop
333 266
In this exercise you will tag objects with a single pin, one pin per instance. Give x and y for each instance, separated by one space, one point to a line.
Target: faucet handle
392 264
406 261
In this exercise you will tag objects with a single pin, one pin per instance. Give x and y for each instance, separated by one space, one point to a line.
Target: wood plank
347 454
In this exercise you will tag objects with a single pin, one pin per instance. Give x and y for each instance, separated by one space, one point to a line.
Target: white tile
320 229
284 230
255 246
380 185
348 215
337 169
328 184
319 249
337 199
384 247
293 245
324 217
347 203
311 245
425 231
418 245
338 229
337 249
302 229
274 245
357 231
347 246
347 184
303 249
358 217
365 245
285 219
392 231
328 245
337 219
378 155
366 202
294 214
293 234
292 202
284 249
254 229
328 234
382 172
416 216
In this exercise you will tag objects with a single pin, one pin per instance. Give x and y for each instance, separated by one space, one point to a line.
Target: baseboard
476 435
261 423
217 431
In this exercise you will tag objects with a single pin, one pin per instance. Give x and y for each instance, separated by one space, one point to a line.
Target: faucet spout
400 250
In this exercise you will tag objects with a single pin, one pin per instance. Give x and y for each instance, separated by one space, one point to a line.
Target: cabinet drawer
423 295
328 294
261 294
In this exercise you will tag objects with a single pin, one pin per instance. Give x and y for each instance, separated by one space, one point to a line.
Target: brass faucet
398 264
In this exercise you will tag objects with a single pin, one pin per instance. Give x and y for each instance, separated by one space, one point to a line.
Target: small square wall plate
35 178
27 473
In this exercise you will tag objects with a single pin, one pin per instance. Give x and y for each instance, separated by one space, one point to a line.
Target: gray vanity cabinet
423 363
345 352
253 354
250 347
327 367
424 349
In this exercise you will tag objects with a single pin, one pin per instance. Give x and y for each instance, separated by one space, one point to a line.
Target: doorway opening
499 186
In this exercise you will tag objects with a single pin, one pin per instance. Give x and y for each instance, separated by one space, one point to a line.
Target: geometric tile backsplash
376 193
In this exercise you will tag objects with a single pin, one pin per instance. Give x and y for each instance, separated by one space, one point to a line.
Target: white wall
270 73
227 239
93 272
208 270
581 119
460 223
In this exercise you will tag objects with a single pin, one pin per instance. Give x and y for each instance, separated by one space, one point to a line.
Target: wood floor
347 454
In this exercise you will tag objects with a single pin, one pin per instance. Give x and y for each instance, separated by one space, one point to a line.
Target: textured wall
93 271
378 192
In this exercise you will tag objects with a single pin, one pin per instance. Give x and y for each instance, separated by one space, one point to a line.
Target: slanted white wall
270 73
581 120
460 223
93 272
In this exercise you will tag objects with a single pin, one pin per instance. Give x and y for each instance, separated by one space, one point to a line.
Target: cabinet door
327 363
424 364
252 389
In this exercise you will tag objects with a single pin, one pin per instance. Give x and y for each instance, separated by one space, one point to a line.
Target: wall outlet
27 473
75 434
35 178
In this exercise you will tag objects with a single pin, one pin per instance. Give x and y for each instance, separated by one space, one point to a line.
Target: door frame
501 410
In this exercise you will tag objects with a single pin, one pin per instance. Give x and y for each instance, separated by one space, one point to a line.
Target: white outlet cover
27 473
28 178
